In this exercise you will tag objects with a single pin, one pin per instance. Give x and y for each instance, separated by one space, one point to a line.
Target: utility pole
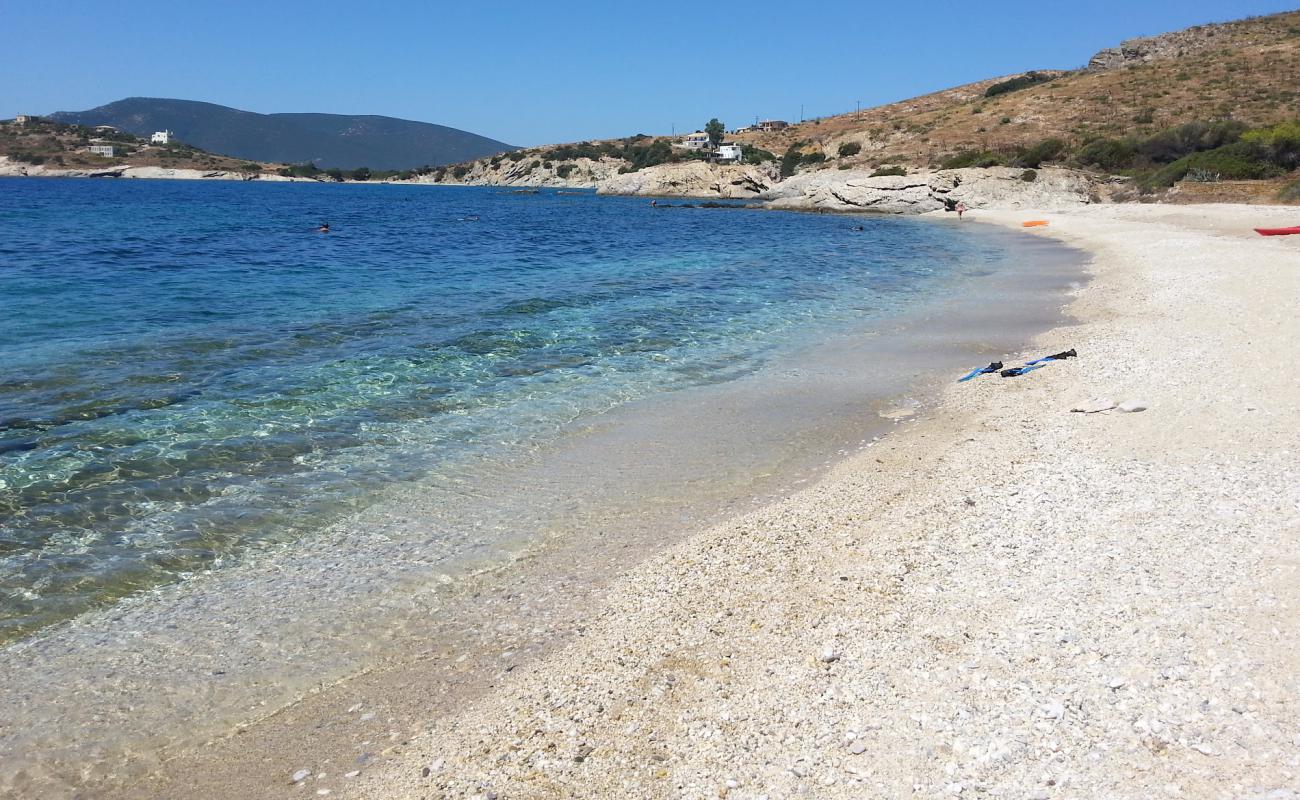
801 112
857 111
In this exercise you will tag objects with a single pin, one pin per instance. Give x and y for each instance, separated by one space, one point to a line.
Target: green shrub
1108 154
1015 84
882 171
360 174
460 170
755 155
815 157
1046 150
1029 176
1290 193
335 174
972 158
790 161
1238 161
1172 144
850 149
565 170
517 156
1280 144
1005 121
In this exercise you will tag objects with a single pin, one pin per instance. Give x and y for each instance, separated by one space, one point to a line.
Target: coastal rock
994 187
581 173
692 179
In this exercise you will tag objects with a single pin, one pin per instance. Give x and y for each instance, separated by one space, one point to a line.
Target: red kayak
1277 231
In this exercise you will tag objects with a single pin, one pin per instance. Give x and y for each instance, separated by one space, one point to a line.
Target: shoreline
319 696
1003 597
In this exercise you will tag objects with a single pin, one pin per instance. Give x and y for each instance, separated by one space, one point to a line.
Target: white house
161 137
101 150
696 141
23 119
729 152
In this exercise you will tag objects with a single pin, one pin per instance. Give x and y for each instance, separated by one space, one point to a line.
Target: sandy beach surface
1002 598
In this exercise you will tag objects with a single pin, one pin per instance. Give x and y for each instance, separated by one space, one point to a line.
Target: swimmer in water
324 228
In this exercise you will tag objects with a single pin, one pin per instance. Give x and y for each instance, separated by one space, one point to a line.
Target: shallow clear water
188 370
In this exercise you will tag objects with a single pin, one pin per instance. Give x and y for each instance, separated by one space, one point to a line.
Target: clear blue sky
536 72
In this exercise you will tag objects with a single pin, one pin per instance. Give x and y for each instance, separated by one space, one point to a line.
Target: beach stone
1133 406
858 748
1052 710
301 775
829 655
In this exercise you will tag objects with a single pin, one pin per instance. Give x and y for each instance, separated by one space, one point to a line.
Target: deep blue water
188 369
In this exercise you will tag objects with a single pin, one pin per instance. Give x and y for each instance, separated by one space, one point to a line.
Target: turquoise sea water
188 370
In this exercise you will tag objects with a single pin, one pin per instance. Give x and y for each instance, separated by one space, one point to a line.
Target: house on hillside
105 129
695 141
161 137
729 152
101 150
23 119
770 125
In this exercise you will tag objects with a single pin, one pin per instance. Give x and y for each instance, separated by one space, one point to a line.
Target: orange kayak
1034 223
1277 231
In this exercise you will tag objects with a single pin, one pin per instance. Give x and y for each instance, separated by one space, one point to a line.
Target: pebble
858 748
301 775
1133 406
829 655
1052 710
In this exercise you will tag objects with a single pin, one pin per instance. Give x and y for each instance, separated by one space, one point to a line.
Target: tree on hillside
715 130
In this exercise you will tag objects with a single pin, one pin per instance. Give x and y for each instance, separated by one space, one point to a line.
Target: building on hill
770 125
105 129
161 137
23 119
101 150
696 141
729 152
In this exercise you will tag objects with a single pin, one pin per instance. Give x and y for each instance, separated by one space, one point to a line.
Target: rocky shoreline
819 190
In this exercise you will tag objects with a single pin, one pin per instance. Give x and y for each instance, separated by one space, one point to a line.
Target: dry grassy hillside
1248 70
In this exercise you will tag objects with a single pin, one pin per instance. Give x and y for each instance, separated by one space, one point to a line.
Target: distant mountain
327 140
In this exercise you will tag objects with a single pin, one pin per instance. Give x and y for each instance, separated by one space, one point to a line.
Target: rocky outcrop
1154 48
581 173
693 179
995 187
19 169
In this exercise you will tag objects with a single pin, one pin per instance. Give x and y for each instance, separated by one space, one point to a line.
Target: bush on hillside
564 170
1238 161
973 158
1280 144
1108 154
1029 176
1046 150
755 155
815 157
883 171
850 149
790 161
1172 144
360 174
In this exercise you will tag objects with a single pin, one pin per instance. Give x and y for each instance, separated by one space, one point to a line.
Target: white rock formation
994 187
693 179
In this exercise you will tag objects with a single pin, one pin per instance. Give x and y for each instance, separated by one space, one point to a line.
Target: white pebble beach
1002 598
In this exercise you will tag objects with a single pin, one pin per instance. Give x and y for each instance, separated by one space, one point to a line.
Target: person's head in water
324 227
